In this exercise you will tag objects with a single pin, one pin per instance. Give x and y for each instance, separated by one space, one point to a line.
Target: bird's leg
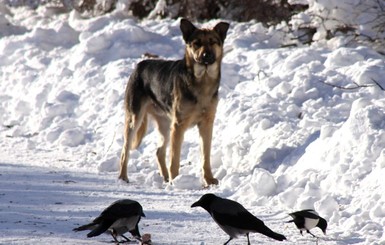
135 233
228 241
248 240
300 231
114 236
128 240
311 234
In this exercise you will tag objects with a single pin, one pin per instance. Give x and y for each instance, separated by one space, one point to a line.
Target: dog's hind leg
140 133
125 154
132 123
163 124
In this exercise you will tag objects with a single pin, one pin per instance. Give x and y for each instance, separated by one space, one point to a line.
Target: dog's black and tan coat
178 95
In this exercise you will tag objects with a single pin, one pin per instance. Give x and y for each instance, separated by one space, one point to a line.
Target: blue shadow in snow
274 157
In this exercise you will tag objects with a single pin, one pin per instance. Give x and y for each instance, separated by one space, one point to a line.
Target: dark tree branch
357 86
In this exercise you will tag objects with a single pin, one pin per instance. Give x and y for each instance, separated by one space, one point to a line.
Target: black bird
118 218
307 219
233 218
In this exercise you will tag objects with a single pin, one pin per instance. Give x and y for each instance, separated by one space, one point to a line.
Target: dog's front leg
177 134
206 131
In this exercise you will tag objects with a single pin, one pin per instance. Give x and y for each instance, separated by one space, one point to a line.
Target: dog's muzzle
207 58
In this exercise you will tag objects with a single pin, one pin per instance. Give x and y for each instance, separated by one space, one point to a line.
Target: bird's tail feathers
272 234
89 226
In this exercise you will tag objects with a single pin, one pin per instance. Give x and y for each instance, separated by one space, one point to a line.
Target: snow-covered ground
296 128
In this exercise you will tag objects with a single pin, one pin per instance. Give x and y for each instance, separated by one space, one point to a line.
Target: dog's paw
124 179
211 181
166 179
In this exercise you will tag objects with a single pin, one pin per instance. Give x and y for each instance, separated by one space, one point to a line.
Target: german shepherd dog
178 95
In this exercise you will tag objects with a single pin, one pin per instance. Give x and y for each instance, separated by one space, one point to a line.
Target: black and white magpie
233 218
307 219
120 217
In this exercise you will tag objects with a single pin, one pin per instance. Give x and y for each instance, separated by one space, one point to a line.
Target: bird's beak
196 204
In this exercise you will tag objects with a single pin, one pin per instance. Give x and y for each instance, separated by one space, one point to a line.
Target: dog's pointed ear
187 29
221 28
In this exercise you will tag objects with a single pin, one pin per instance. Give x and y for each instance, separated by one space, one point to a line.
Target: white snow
295 128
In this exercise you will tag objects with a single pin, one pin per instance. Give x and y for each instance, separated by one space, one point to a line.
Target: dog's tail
140 133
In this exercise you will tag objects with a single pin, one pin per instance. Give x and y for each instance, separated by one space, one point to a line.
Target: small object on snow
118 218
146 239
233 218
148 55
307 219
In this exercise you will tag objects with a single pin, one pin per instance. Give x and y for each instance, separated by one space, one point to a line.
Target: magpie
118 218
307 219
233 218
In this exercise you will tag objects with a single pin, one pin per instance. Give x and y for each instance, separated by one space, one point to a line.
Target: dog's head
205 46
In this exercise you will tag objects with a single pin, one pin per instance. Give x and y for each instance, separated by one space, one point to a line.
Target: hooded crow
118 218
307 219
233 218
